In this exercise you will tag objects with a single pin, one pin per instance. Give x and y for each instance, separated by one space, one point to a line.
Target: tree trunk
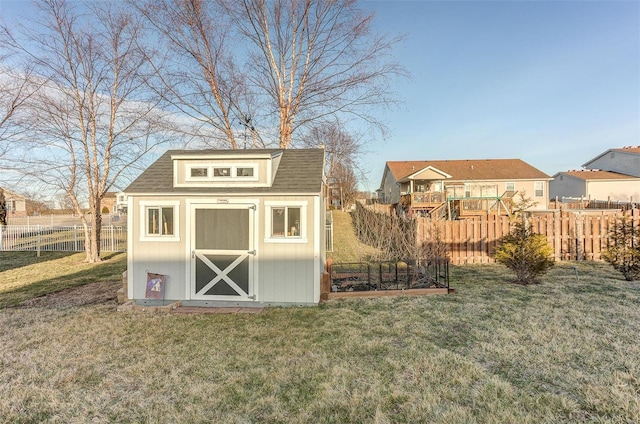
96 232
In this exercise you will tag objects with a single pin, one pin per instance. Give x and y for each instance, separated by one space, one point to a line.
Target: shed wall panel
284 270
160 257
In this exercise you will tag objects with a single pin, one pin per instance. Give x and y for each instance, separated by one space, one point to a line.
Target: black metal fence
427 273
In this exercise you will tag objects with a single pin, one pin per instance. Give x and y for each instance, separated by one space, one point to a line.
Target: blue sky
554 83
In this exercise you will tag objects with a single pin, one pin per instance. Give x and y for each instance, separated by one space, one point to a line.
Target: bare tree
17 86
313 58
344 184
341 148
199 74
94 118
286 66
3 209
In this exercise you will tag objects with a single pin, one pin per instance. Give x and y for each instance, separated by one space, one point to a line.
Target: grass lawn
563 351
347 247
24 276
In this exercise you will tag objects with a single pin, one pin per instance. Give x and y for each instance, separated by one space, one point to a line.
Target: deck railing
426 198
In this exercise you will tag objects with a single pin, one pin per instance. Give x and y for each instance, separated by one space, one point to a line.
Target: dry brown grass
561 351
24 276
347 247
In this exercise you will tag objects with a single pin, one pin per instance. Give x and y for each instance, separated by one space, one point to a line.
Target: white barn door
222 252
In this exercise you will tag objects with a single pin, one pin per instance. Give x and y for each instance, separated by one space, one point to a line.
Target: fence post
75 238
38 242
1 228
113 248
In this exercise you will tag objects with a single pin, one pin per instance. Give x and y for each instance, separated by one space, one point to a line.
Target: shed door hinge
253 252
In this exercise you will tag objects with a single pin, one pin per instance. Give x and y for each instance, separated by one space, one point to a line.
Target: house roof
8 194
596 174
472 169
627 149
299 171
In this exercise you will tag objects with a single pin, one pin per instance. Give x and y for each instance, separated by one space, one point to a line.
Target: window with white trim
245 171
159 221
222 172
199 172
510 186
538 188
285 221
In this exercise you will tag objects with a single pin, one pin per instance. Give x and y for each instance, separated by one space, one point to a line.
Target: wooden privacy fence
573 235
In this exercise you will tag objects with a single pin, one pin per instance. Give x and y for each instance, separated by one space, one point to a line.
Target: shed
228 228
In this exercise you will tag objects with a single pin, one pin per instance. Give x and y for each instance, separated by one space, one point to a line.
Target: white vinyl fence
65 220
62 239
328 232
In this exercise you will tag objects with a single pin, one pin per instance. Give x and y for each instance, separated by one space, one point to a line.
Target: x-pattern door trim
222 274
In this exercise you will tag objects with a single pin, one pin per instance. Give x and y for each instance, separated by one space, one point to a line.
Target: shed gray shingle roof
299 171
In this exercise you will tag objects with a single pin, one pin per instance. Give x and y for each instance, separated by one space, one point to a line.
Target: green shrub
624 249
526 253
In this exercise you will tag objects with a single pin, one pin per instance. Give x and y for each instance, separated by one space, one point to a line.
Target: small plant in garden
526 253
624 249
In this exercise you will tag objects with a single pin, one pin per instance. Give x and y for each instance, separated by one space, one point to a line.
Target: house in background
121 203
109 202
595 185
461 188
16 204
228 228
625 160
611 176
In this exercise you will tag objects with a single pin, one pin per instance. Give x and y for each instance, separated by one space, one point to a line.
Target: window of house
467 190
538 189
244 171
286 221
510 186
221 172
11 205
199 172
159 221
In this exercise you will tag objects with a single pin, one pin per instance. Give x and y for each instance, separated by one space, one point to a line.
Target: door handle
193 254
253 252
